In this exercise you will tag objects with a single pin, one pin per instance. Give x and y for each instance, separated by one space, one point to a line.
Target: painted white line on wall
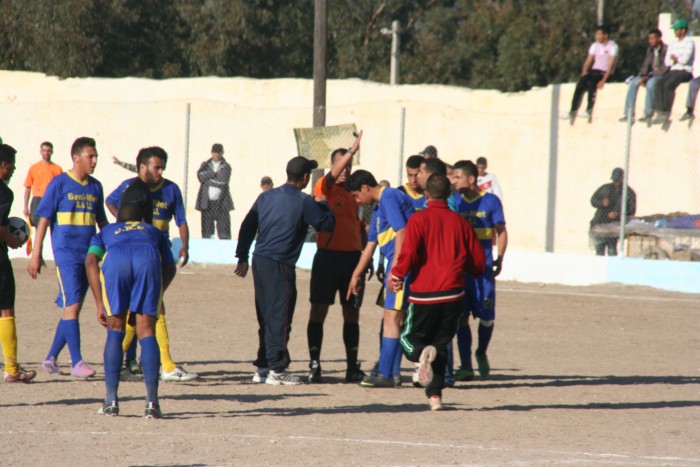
599 295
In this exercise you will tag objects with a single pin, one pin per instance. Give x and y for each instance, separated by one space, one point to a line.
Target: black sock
485 333
351 338
314 336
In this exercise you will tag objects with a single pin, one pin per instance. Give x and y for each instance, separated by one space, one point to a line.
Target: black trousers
434 325
216 214
666 89
32 211
275 300
606 242
587 83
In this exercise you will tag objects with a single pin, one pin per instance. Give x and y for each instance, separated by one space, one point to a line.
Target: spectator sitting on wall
608 203
679 58
693 87
596 70
653 67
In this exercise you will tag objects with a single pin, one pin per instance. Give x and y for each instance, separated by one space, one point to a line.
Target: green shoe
464 374
483 362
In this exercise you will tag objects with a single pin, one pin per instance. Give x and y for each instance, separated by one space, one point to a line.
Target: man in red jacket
439 248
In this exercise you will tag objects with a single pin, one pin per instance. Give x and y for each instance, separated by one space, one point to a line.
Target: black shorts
32 211
7 286
331 272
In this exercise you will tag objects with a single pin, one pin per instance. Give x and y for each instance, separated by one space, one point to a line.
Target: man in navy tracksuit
439 247
281 218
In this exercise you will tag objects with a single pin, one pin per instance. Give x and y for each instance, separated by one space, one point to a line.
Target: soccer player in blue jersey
485 213
387 230
167 204
8 330
72 205
412 188
134 273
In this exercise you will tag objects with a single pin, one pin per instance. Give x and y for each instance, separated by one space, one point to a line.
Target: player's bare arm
184 253
398 243
112 209
27 193
358 273
502 243
340 162
34 266
92 269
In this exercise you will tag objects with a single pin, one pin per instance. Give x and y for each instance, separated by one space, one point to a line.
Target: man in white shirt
596 70
679 58
487 181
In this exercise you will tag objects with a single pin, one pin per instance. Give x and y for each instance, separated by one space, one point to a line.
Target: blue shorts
481 296
132 278
72 284
394 301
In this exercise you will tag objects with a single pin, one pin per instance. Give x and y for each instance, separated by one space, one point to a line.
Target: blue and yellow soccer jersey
390 215
73 209
132 275
483 213
418 200
167 203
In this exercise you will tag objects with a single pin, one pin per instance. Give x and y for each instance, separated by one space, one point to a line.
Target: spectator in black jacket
608 203
214 197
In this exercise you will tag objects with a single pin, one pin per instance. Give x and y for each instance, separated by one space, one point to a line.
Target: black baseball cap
300 165
617 174
429 151
217 147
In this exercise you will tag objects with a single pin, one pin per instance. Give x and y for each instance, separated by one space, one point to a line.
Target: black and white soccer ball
19 228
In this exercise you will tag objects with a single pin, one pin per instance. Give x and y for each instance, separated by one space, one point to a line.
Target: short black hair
81 143
482 161
434 166
468 167
146 154
604 29
438 187
46 143
656 32
339 151
266 180
7 153
359 178
136 203
414 162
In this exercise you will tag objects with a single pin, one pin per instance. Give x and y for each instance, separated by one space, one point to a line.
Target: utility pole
320 46
395 51
600 8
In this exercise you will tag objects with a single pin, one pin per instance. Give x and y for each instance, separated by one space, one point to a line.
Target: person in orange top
38 178
337 254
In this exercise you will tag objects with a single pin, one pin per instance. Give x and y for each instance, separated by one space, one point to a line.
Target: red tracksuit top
439 247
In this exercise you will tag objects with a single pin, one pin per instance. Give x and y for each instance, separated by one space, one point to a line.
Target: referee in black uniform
281 218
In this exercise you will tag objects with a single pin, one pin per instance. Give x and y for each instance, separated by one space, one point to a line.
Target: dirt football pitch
581 376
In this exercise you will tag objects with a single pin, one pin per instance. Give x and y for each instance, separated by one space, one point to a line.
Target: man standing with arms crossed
38 178
337 254
281 218
72 205
167 204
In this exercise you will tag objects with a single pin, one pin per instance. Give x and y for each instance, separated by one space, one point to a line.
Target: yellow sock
166 360
128 337
8 339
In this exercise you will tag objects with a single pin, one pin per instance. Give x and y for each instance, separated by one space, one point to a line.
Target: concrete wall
254 120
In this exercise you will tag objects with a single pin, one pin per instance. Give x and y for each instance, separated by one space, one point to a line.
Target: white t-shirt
489 184
602 55
685 52
215 192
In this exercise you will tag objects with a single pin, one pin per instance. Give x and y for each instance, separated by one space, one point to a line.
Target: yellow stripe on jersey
412 193
386 236
484 233
161 224
76 218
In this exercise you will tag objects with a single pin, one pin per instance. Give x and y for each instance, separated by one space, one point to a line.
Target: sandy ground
595 375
